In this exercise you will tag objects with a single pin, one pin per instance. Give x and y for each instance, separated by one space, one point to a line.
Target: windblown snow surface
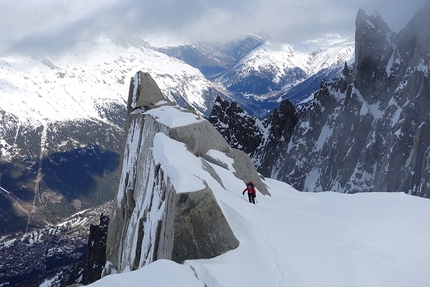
73 85
293 238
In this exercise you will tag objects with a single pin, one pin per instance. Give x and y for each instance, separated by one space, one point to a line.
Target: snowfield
296 239
74 85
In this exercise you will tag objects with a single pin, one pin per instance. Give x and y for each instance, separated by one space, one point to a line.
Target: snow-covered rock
165 208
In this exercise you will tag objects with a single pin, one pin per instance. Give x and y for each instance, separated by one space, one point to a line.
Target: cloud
36 26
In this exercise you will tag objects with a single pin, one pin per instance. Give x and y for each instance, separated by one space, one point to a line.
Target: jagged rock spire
144 92
154 216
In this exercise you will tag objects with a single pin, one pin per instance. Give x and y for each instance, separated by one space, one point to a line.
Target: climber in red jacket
251 192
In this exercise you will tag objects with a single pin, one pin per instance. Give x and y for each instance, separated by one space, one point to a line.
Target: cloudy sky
56 24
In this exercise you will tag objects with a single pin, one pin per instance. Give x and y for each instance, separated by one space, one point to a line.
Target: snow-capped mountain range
281 67
57 111
372 120
266 75
364 131
77 84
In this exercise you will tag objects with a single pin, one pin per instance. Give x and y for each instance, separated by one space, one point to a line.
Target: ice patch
422 67
370 24
136 84
216 154
326 132
401 86
390 65
173 116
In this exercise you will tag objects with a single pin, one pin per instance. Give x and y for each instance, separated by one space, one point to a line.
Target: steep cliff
90 269
164 208
260 139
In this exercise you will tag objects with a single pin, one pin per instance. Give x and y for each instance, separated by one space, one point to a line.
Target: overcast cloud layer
40 25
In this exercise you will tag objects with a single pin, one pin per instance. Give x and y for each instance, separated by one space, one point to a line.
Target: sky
57 24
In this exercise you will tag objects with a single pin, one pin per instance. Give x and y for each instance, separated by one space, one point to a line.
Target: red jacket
250 189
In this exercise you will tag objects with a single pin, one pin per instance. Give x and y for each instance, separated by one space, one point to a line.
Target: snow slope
309 239
297 239
290 64
75 84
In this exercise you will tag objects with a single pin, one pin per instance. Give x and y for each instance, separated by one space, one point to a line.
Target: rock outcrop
260 139
95 257
164 211
90 269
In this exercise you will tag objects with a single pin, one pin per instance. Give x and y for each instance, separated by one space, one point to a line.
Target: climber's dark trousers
251 198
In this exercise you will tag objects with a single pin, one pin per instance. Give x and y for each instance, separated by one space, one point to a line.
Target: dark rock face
374 48
90 269
95 258
364 131
280 127
240 130
260 139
